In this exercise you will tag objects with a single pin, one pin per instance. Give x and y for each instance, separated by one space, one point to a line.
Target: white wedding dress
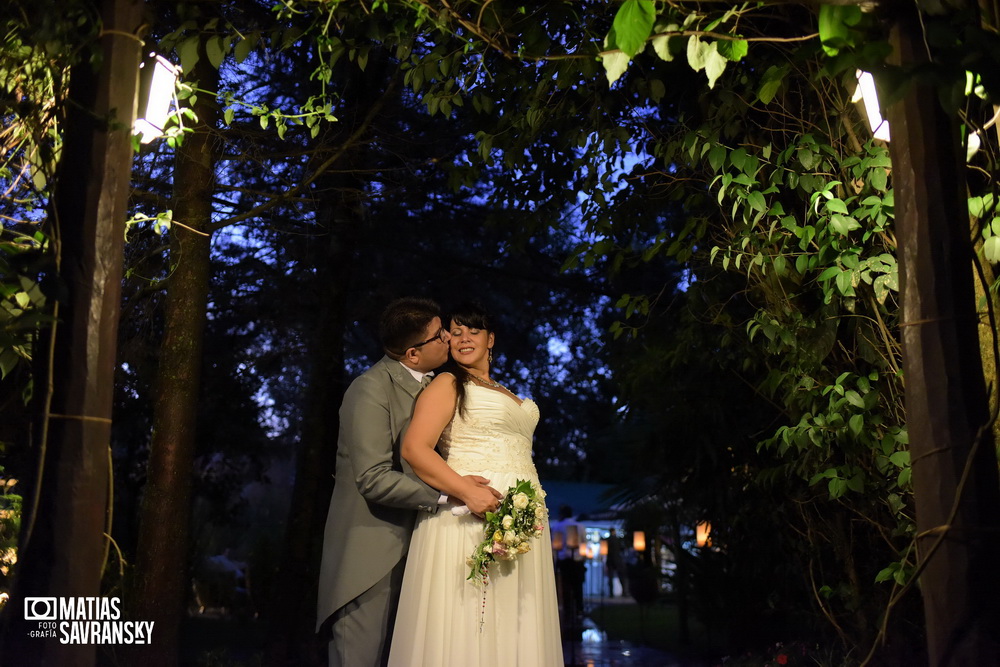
444 620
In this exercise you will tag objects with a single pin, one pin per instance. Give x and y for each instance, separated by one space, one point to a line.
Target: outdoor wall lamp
639 541
866 93
157 79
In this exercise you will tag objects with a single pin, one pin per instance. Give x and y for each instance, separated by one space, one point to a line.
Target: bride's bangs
472 316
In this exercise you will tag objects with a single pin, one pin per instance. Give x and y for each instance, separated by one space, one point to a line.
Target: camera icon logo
40 609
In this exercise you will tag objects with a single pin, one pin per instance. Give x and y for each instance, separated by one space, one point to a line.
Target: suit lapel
401 377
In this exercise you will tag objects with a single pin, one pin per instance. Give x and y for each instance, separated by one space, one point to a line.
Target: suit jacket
376 495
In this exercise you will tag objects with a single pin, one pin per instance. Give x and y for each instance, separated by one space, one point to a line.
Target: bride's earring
490 358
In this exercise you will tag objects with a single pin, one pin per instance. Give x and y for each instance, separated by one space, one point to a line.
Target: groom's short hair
403 322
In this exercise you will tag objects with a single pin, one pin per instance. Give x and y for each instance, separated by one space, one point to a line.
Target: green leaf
881 287
770 83
991 249
829 273
879 179
829 473
807 157
734 50
696 50
715 64
834 22
227 116
8 361
900 459
976 207
717 157
661 44
836 206
856 424
633 24
656 90
843 224
615 63
738 157
854 398
844 284
242 50
756 201
188 52
215 49
856 483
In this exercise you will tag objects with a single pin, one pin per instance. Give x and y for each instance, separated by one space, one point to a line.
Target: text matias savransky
85 620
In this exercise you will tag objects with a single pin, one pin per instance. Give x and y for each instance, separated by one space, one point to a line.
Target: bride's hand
479 496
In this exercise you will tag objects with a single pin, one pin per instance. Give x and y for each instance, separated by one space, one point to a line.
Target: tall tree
162 568
64 541
949 417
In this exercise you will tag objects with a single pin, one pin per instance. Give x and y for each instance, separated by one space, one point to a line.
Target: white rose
520 501
509 537
539 511
508 521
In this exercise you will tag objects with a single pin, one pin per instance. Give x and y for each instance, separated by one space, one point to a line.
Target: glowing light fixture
557 540
572 537
866 93
157 80
702 532
604 547
639 541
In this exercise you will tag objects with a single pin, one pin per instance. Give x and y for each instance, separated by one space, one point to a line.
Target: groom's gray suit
375 500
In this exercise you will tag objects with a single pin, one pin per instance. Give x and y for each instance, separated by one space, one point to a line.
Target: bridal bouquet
521 516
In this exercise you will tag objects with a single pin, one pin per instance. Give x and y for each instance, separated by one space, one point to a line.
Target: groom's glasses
438 336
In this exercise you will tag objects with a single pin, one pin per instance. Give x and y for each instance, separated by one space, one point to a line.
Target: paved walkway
594 649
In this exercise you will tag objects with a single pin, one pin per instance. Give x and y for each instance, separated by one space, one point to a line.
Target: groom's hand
482 481
480 497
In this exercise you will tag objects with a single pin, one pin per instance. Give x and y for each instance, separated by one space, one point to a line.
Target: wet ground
594 649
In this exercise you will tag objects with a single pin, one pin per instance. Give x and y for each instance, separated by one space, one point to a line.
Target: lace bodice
494 435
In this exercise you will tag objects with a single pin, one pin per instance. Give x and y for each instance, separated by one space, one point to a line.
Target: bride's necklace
490 383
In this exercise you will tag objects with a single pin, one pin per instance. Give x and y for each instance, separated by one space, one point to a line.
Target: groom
376 496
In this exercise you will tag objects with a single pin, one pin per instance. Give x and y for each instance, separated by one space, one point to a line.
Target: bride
479 427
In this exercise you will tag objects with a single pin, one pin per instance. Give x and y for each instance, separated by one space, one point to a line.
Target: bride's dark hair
474 316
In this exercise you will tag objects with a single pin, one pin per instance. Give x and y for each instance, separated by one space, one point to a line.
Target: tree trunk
681 582
951 441
294 606
162 579
341 213
63 542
